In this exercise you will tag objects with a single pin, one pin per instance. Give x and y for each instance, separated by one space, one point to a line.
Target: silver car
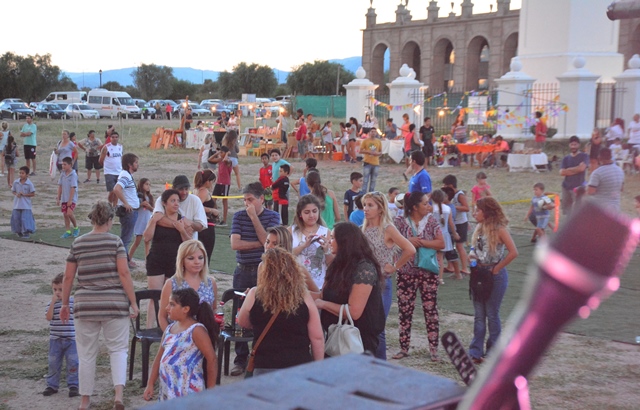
81 111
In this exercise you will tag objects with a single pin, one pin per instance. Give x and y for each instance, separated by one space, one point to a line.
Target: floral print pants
408 285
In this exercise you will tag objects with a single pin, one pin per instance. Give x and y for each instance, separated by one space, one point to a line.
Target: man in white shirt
191 208
111 159
128 201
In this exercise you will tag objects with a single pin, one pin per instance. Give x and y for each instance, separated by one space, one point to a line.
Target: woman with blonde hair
296 330
491 238
281 236
385 240
192 271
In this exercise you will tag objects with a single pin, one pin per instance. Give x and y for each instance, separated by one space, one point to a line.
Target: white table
526 162
195 138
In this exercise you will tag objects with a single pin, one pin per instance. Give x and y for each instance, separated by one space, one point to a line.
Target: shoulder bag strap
257 343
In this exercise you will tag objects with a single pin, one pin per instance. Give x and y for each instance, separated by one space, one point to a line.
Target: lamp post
100 78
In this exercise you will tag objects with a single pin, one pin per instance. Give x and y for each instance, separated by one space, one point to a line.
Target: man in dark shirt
248 233
426 135
573 169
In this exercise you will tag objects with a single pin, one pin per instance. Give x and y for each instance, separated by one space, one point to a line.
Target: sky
87 36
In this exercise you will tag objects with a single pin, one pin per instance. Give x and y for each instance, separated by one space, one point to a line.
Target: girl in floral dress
186 361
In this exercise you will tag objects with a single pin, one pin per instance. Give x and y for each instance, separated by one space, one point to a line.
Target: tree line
32 78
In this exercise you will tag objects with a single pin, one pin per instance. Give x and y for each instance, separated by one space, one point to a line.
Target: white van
66 97
113 103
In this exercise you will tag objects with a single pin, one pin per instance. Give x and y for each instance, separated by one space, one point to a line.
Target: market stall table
195 138
475 149
526 162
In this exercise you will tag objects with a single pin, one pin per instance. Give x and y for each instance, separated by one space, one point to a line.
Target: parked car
196 110
216 108
81 111
12 100
14 110
50 110
211 101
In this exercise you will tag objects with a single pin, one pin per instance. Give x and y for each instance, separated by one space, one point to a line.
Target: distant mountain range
123 75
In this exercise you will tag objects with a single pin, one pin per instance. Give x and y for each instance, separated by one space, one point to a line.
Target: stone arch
442 67
477 63
411 55
510 50
377 64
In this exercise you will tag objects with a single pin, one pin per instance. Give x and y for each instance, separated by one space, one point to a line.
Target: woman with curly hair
296 331
354 278
281 236
491 238
422 229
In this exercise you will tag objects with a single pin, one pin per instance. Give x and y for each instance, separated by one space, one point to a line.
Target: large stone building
467 51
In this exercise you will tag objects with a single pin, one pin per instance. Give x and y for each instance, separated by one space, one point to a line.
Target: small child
266 179
357 180
223 184
186 362
442 213
540 206
74 154
205 153
22 222
10 152
281 186
62 343
451 256
68 197
310 164
277 162
616 149
357 216
144 214
393 208
480 190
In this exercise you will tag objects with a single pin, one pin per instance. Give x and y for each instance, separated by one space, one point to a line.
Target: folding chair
146 336
228 331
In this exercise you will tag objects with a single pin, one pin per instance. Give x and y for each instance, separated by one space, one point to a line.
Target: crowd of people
297 275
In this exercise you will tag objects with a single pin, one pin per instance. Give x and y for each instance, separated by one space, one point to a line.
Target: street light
100 78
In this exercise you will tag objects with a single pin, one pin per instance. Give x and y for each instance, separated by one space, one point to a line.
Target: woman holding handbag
423 231
282 314
354 278
490 239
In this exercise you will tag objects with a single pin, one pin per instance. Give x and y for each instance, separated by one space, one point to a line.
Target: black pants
283 209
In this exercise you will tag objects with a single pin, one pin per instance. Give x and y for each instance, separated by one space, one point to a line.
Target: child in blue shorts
539 211
62 343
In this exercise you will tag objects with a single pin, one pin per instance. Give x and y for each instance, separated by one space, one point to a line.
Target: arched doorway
411 56
477 61
444 58
510 51
377 64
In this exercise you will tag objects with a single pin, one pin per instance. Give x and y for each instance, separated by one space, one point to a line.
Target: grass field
615 320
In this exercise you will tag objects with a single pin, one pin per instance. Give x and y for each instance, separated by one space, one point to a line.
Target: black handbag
481 283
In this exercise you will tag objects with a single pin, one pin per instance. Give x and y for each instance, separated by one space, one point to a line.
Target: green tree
153 81
112 86
182 88
30 78
318 78
247 79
